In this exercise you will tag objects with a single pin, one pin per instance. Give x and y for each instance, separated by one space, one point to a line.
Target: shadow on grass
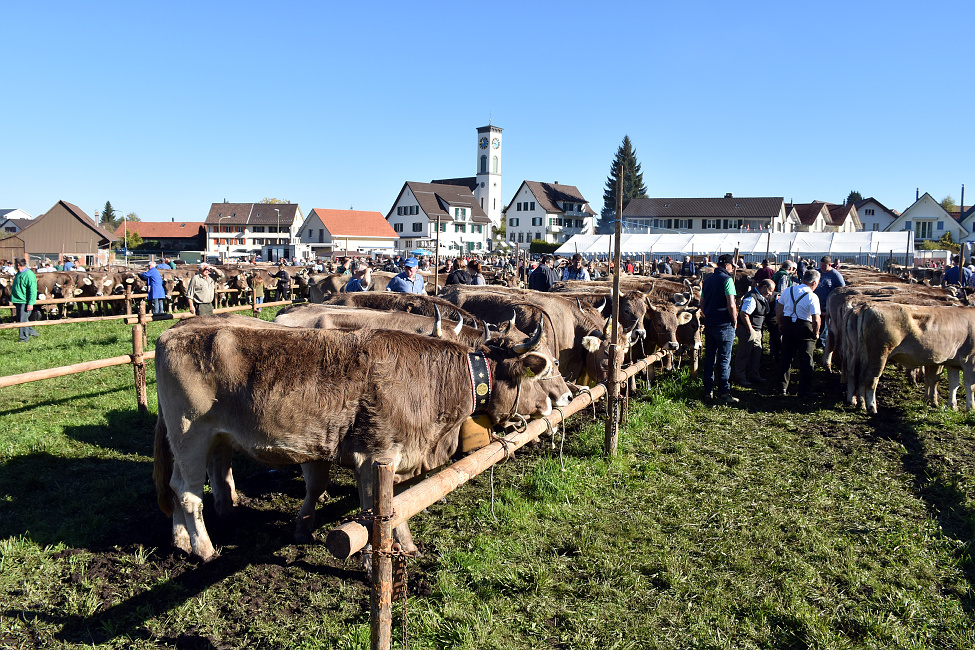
128 392
943 498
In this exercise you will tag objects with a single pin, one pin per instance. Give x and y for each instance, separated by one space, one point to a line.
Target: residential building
66 229
928 220
464 226
813 217
167 235
486 185
13 220
875 216
709 215
240 230
355 231
550 212
843 218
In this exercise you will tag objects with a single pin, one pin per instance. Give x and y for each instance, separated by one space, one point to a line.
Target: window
479 246
483 165
494 164
443 226
321 235
311 233
531 206
482 202
551 221
536 221
923 229
869 212
417 226
521 238
941 225
399 211
511 237
519 206
398 227
538 235
477 228
258 228
513 222
682 224
710 224
459 227
876 227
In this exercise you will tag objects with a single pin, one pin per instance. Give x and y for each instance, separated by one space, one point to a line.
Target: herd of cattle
377 374
352 377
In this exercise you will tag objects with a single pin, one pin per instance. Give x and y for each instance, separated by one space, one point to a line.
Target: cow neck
481 381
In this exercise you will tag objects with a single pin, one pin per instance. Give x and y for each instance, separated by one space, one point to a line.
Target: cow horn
460 324
437 323
602 306
532 343
514 317
579 302
487 334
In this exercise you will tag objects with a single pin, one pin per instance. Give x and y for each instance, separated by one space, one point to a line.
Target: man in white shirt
799 316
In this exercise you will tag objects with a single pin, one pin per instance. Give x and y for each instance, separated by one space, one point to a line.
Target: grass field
774 524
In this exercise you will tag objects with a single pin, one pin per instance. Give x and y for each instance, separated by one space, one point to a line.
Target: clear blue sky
163 108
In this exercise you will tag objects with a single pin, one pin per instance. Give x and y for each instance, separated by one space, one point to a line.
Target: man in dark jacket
751 318
720 314
543 277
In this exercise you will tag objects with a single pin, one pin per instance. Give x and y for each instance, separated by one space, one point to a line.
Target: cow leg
316 486
969 376
954 381
872 370
932 375
189 532
222 478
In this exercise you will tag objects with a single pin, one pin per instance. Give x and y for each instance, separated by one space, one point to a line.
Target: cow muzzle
673 345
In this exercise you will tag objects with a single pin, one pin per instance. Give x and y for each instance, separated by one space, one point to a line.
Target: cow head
526 379
661 325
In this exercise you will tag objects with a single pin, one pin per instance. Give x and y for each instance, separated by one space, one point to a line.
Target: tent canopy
748 244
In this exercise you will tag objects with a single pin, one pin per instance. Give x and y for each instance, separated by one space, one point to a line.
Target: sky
165 108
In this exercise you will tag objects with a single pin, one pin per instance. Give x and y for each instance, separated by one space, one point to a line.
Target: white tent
855 247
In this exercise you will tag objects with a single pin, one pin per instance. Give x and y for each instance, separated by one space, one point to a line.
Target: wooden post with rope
139 361
615 352
381 630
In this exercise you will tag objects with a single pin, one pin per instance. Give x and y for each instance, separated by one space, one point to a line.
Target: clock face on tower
484 143
495 143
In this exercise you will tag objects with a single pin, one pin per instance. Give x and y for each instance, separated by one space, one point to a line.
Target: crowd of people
789 303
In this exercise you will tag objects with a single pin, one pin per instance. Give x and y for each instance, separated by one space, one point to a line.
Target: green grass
774 524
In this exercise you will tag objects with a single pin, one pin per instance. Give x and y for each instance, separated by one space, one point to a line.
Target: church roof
437 199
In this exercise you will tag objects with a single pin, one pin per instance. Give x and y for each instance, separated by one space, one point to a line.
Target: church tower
488 190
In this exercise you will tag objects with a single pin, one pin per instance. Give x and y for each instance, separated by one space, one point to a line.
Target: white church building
467 208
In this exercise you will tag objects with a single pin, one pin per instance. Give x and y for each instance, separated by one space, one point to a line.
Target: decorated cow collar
481 379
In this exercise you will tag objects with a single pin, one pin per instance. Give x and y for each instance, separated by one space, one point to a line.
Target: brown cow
401 397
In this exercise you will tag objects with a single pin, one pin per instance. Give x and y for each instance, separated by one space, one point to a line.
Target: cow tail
162 470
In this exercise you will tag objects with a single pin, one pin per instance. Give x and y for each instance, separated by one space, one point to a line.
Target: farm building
65 229
170 235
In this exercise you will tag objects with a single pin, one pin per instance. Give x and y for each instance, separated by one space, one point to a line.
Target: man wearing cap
720 315
200 291
360 279
409 281
284 282
798 313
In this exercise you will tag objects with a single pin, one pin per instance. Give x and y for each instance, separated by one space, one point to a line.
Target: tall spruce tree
633 187
109 217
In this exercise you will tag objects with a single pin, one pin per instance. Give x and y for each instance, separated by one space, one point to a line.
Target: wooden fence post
381 631
128 299
138 360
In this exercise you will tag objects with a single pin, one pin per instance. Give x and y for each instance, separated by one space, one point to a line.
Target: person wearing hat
361 278
720 315
156 290
200 291
409 281
829 279
284 282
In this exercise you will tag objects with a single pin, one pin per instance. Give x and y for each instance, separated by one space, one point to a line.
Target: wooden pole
381 632
128 299
138 361
612 433
768 243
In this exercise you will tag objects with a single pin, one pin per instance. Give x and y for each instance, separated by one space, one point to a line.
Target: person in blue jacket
157 292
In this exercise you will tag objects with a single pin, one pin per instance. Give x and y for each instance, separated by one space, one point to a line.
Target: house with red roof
170 235
327 231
